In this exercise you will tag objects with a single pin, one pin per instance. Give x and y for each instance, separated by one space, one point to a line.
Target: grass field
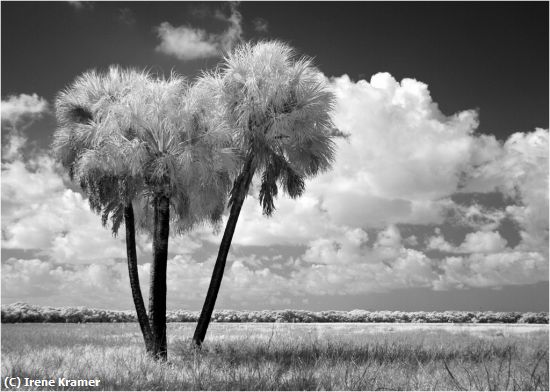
252 356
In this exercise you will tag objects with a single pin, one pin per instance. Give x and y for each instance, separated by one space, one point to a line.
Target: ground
265 356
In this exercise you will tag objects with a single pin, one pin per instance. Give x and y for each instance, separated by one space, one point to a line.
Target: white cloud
76 4
346 265
81 5
341 265
18 112
476 242
492 270
43 282
23 106
39 212
11 150
295 222
190 43
261 25
126 16
438 242
234 32
520 171
186 43
402 163
401 146
483 242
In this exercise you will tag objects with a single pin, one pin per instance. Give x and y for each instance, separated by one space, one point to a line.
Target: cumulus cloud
483 242
186 43
16 108
346 265
81 5
18 113
402 165
335 266
13 146
126 16
45 283
492 270
261 25
476 242
401 147
107 285
40 213
298 221
520 170
191 43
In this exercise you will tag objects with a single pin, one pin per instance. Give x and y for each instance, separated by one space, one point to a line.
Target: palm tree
184 157
81 110
278 108
130 138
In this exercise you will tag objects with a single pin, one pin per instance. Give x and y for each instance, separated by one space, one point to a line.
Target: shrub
24 313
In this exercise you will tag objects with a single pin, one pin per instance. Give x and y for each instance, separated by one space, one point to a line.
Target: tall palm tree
81 109
278 107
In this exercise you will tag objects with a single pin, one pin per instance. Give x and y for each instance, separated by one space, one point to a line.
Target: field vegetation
251 356
25 313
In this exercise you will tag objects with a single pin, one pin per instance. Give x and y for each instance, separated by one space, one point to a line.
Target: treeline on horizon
24 313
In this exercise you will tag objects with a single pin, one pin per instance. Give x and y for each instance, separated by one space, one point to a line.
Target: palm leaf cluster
81 110
126 136
279 106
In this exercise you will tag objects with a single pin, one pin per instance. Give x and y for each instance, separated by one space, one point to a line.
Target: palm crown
126 136
181 149
279 108
82 109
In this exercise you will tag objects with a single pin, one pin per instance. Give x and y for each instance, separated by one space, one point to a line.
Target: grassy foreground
285 356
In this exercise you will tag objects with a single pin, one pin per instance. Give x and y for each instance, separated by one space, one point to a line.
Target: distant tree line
25 313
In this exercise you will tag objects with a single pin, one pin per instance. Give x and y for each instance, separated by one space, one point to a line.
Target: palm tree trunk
134 277
157 296
241 188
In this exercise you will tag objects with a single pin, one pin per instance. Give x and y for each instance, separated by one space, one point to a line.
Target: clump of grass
281 357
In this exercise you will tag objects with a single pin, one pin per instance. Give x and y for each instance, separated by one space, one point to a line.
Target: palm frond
268 188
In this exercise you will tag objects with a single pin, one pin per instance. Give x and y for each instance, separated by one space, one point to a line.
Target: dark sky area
489 56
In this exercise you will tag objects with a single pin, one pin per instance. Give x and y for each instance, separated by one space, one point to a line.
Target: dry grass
286 357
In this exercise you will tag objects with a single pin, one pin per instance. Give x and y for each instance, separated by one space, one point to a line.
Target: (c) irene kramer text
60 382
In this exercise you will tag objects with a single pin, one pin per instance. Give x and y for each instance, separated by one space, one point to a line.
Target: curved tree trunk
157 296
242 183
134 277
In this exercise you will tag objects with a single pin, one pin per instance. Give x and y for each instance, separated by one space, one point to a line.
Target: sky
437 200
